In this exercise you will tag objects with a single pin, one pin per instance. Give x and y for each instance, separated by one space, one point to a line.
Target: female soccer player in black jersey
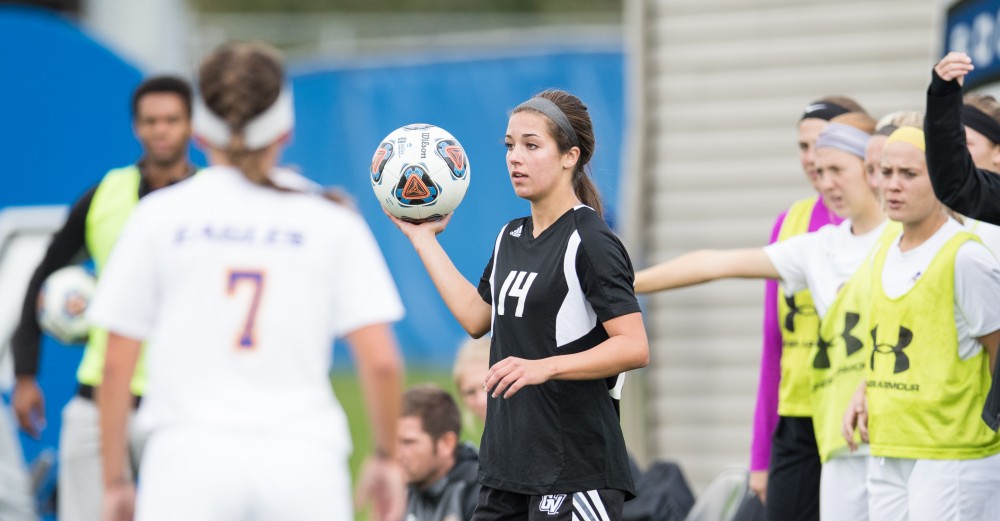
557 294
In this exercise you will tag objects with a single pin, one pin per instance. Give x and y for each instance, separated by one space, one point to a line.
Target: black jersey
550 295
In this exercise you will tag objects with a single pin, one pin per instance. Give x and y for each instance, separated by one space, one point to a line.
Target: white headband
259 132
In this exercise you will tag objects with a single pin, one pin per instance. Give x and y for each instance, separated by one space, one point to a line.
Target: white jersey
977 283
988 233
822 261
239 291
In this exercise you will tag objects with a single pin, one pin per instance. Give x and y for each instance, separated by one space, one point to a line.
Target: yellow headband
911 135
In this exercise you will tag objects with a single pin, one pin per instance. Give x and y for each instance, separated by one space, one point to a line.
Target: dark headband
886 130
823 110
981 122
550 109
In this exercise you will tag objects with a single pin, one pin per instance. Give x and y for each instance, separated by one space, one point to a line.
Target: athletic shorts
596 505
794 475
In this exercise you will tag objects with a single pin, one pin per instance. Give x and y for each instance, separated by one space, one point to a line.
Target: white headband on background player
262 130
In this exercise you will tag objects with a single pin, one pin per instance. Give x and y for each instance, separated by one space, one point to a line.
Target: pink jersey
766 413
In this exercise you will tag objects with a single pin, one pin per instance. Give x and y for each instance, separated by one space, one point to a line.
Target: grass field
348 390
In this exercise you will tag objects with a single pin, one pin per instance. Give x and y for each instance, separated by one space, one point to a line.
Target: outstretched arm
459 294
703 266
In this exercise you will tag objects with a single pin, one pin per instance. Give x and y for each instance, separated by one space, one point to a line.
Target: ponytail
587 191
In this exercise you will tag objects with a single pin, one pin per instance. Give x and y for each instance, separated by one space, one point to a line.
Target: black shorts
793 476
500 505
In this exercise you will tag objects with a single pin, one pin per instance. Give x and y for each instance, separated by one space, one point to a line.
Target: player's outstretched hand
414 230
382 485
119 502
509 375
29 405
856 417
954 66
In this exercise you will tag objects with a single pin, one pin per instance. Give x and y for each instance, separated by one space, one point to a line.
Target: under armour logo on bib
794 310
904 340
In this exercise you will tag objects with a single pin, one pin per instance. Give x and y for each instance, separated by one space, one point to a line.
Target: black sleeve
485 290
957 182
65 245
605 272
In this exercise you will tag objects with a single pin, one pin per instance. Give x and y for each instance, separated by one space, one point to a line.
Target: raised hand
954 66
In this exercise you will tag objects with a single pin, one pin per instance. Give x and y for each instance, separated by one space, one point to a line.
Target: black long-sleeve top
957 182
68 244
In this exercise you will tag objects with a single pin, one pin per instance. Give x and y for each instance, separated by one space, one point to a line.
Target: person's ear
571 157
447 443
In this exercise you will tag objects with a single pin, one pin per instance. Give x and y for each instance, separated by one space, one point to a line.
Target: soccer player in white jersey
239 282
935 328
822 262
557 294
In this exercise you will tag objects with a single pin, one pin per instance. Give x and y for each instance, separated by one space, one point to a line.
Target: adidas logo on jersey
517 232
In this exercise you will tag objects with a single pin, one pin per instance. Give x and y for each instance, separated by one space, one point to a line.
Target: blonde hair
473 353
901 118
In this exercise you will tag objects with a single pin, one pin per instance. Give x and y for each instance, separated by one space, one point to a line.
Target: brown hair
858 120
238 82
436 409
843 101
579 119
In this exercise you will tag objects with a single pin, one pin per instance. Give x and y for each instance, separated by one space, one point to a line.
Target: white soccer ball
62 302
420 172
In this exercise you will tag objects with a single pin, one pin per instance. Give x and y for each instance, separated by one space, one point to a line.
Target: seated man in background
441 472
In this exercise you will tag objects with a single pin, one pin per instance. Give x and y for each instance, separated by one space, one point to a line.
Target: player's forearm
627 348
114 401
687 270
703 266
458 293
380 370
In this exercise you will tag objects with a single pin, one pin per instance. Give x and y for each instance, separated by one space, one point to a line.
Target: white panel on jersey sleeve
576 316
616 391
493 274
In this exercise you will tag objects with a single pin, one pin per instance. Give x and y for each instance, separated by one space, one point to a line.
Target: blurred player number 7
255 280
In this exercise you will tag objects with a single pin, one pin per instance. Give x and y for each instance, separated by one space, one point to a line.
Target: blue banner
973 27
344 112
